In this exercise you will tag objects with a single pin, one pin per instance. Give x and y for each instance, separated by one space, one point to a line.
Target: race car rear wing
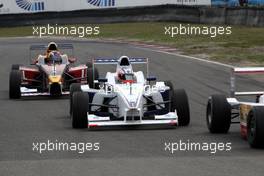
114 61
44 47
246 71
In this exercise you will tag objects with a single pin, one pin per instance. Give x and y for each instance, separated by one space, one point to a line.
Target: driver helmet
122 74
55 56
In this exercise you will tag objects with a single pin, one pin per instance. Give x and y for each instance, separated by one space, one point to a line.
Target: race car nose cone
54 79
55 89
132 104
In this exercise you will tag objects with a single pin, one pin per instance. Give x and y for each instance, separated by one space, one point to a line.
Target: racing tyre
91 76
15 66
181 104
14 84
75 87
255 127
170 85
218 115
80 107
89 64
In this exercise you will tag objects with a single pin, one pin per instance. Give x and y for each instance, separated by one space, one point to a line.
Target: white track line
189 57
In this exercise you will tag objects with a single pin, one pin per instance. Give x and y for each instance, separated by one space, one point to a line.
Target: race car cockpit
54 57
124 71
125 76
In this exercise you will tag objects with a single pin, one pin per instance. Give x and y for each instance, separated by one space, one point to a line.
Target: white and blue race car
125 97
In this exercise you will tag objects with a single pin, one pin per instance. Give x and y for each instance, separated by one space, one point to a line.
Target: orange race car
50 74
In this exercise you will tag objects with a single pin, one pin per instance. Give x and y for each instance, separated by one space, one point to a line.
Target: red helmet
121 75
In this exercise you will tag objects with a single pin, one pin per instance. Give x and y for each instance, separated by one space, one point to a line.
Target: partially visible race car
126 98
50 74
221 110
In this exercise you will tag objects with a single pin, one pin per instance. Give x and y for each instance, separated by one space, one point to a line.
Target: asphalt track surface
123 151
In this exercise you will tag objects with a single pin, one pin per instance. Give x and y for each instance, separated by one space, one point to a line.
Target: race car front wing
97 121
25 92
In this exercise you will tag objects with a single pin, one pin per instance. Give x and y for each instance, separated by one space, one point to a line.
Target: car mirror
72 60
34 62
102 80
151 78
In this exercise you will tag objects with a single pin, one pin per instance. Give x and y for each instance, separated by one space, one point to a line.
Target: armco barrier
187 14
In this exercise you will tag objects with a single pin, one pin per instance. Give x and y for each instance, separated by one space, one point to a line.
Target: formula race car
50 74
125 97
221 111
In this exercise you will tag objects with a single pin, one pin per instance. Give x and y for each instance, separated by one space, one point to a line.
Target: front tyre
75 87
255 127
181 104
80 107
14 84
16 66
218 116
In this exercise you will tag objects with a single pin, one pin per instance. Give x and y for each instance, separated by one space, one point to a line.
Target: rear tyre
14 84
181 104
75 87
80 107
91 76
255 127
15 66
218 116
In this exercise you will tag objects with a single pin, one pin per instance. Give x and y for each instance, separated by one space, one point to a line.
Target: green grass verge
244 45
